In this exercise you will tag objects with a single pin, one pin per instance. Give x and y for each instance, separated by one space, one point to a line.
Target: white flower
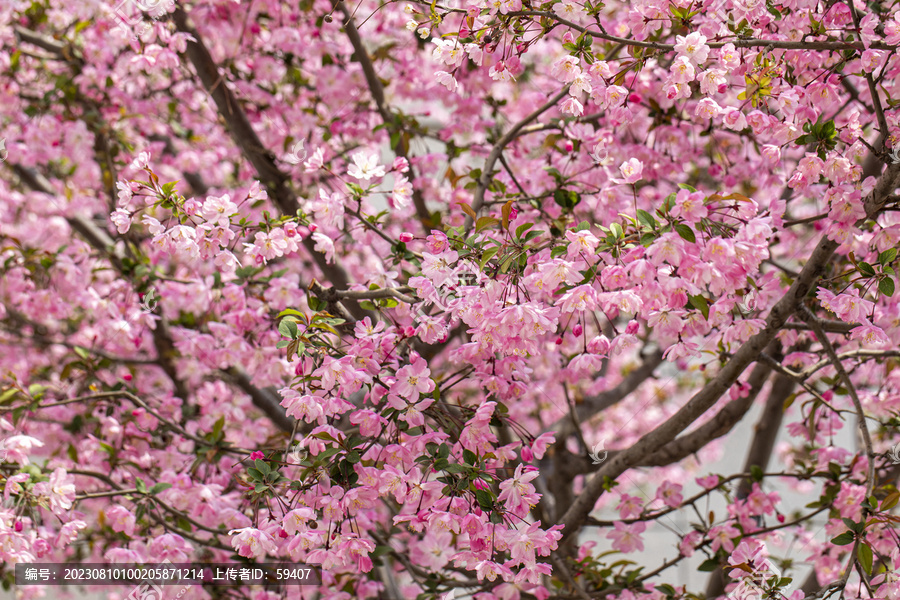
365 166
693 46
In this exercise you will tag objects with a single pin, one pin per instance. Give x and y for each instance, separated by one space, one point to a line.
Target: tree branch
485 180
275 180
377 91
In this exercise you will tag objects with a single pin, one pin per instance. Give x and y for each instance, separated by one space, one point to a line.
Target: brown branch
761 448
377 90
722 423
596 404
263 399
834 45
275 180
728 375
486 173
822 338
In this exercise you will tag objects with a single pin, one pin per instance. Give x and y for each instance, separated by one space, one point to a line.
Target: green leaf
701 304
864 554
485 499
756 472
488 255
140 485
523 228
255 473
288 328
853 525
218 426
484 222
845 538
687 187
666 589
887 256
566 198
890 501
685 232
646 218
583 226
866 269
709 565
886 286
159 487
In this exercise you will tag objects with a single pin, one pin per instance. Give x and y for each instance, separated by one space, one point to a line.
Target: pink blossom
253 543
682 70
692 47
627 538
631 171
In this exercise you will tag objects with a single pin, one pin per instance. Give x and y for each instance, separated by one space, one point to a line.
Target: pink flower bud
632 327
257 455
577 330
568 37
127 377
406 237
513 214
599 345
400 164
559 341
527 454
313 227
19 526
282 533
634 98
